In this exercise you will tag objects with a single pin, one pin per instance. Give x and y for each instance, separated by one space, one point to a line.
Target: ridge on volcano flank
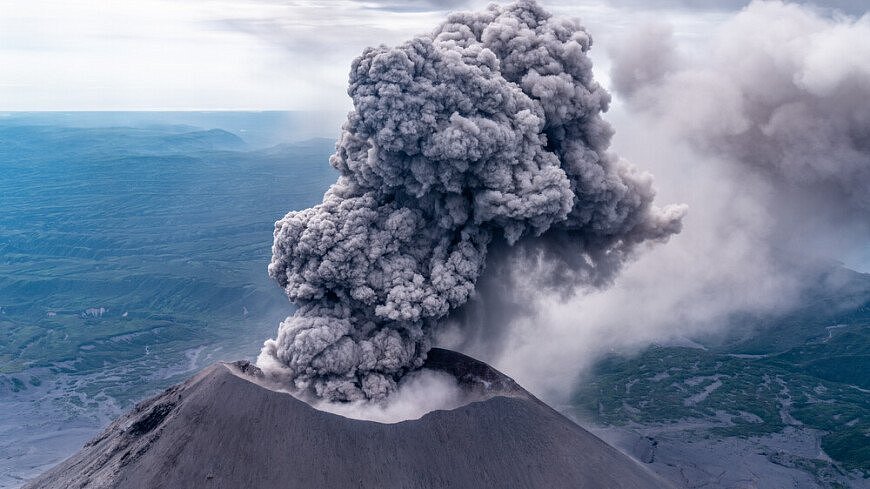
223 429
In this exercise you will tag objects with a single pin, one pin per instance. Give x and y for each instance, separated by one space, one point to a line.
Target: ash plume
480 141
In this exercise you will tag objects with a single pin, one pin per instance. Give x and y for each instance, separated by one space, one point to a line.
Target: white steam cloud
476 146
765 132
782 90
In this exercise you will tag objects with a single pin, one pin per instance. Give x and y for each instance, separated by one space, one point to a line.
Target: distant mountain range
259 129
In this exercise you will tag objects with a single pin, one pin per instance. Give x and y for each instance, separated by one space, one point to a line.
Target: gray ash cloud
782 90
480 140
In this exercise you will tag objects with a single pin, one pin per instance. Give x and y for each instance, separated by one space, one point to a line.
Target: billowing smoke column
486 131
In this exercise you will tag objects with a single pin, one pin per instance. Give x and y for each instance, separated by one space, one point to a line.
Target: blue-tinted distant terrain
131 256
259 129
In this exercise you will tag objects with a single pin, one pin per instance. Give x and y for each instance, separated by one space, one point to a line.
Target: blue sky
247 54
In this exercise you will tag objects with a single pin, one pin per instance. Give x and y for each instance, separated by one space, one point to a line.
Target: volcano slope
223 429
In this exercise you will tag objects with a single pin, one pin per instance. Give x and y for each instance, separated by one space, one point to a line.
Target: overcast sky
249 54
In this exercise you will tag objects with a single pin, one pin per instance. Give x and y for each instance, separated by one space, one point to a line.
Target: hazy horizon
258 54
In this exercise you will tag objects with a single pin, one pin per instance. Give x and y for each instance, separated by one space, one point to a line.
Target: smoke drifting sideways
482 138
760 124
782 90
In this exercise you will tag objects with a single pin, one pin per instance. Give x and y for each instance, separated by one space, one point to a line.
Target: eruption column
487 130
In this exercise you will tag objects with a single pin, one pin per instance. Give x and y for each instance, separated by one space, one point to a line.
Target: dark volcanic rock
220 429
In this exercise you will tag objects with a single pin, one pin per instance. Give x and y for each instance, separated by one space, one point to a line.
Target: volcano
223 429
